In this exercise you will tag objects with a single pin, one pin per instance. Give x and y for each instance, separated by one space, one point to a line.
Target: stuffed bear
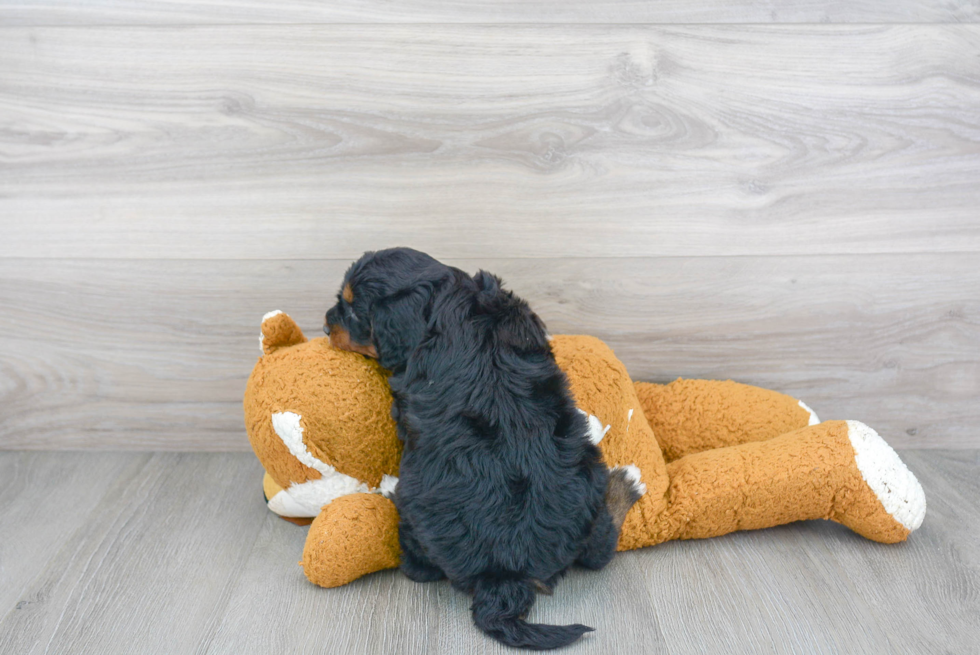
714 457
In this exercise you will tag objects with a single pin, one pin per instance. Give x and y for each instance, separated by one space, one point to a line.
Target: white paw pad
814 419
897 488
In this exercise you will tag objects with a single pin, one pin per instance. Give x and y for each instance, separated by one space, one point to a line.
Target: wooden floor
176 553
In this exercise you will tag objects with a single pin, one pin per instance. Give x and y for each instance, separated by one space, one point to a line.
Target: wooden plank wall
783 193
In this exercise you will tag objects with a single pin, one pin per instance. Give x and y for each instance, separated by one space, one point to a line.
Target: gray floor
176 553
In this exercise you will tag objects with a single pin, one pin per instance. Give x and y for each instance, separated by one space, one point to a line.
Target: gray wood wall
783 193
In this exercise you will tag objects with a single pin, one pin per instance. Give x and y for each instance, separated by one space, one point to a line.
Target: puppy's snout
340 339
328 320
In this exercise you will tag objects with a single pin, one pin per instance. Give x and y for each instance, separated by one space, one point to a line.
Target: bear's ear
279 331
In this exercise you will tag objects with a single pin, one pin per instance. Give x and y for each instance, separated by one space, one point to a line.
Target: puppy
500 488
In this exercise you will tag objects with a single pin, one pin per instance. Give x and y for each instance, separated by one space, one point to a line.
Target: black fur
500 489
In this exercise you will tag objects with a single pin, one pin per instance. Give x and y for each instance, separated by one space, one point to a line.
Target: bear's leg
838 470
414 562
354 535
690 416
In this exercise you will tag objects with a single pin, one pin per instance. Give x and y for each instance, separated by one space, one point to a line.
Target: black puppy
500 488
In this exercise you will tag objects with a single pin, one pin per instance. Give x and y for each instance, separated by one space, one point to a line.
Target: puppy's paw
631 473
421 573
623 490
596 429
388 485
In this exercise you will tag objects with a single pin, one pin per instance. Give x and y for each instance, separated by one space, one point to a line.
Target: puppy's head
382 307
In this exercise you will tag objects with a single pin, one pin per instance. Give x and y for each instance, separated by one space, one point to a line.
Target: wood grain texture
146 12
130 354
148 570
301 142
951 483
44 498
182 556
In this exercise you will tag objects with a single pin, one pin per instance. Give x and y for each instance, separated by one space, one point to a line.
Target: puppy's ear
517 326
487 286
398 323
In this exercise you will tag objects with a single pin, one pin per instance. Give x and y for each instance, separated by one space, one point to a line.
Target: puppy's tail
499 607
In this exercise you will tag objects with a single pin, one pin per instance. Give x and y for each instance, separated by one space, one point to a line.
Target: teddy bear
713 456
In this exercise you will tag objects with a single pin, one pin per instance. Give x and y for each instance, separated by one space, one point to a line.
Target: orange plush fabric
342 397
353 535
603 388
806 474
715 456
689 416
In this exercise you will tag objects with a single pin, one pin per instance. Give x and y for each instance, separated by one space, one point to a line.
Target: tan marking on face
340 339
348 293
